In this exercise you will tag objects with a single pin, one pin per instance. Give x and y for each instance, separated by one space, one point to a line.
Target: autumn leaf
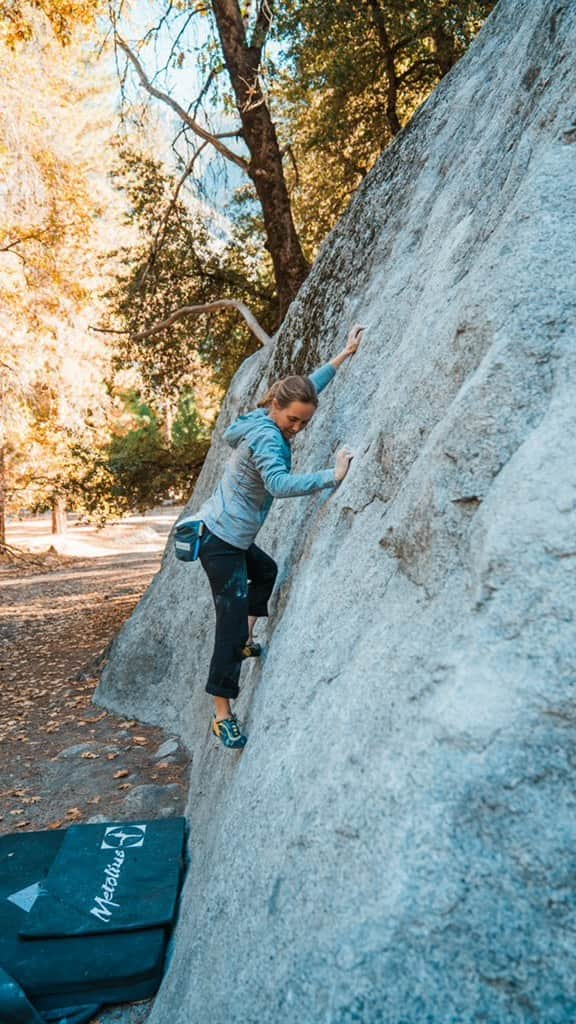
74 813
89 756
121 773
21 824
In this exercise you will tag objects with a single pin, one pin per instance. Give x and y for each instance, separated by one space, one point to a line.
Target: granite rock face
395 845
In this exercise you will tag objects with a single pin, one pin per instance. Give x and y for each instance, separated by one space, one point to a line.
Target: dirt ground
63 759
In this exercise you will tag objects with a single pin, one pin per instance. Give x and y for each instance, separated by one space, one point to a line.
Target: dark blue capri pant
241 583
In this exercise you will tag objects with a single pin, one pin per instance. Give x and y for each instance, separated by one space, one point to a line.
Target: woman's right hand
343 459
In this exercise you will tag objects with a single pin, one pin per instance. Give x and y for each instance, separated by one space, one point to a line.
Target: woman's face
293 418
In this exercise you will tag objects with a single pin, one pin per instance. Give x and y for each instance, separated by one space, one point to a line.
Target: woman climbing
241 575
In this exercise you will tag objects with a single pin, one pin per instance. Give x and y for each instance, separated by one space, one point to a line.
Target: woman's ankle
222 708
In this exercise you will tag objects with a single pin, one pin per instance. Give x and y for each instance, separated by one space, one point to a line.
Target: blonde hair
290 389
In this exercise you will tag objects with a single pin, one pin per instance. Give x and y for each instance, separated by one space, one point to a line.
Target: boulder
394 845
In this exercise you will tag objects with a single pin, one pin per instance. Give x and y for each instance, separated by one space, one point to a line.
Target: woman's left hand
354 339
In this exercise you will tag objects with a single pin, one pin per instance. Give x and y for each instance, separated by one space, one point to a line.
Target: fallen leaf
98 718
139 739
17 810
121 773
111 757
125 785
164 764
89 756
21 824
94 800
126 725
74 813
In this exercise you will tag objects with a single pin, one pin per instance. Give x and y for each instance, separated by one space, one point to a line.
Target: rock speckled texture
395 845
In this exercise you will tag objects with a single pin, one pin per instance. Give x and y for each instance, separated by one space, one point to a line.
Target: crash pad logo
120 836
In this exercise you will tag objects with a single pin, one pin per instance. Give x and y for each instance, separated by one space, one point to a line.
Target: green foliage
140 466
352 74
182 256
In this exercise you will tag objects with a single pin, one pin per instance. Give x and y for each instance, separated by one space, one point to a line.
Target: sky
219 178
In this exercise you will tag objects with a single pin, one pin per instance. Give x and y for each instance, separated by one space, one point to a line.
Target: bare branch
206 307
18 554
262 25
253 91
181 33
410 40
154 31
18 241
203 92
183 114
160 235
419 65
288 151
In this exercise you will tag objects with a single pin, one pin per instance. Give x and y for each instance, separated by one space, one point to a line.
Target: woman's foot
228 731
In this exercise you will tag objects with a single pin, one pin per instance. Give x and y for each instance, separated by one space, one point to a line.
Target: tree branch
160 235
423 31
288 151
391 73
32 237
183 114
17 553
261 26
426 62
206 307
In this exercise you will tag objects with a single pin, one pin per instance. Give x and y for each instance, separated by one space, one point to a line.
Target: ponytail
290 389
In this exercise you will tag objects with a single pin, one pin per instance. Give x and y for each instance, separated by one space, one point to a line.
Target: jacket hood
246 426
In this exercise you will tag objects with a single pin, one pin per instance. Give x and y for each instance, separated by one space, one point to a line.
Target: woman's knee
272 570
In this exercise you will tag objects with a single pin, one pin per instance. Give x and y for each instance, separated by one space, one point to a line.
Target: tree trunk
168 421
59 518
2 460
265 166
444 48
389 63
2 496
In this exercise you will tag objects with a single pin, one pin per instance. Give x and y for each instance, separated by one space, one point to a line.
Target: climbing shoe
251 650
228 731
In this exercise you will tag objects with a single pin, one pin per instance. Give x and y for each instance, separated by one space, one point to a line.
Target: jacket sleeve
322 377
270 461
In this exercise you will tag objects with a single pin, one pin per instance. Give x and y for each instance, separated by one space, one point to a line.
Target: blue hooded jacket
257 472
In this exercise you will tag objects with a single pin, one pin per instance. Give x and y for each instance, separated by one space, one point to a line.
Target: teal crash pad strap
14 1006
